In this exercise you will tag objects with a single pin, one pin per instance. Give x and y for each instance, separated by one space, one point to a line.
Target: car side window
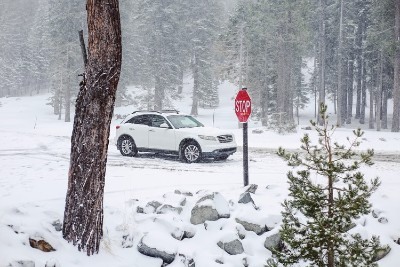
157 120
141 119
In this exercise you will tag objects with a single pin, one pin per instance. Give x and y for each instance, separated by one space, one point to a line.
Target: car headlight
208 137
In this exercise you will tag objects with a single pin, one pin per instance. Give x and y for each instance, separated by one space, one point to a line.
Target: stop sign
243 105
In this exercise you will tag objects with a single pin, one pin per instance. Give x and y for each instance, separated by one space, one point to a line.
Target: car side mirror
164 125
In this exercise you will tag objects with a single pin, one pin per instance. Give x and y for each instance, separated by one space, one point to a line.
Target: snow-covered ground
34 159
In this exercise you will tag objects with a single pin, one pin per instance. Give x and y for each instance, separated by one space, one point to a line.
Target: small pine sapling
325 197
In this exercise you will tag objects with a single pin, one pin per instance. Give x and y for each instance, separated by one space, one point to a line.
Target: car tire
127 146
223 157
191 152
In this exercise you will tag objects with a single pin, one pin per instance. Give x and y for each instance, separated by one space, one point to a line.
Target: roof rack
159 112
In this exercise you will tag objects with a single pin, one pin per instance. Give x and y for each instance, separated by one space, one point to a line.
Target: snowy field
34 159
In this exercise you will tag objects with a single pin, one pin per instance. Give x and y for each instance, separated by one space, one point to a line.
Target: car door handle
131 128
151 131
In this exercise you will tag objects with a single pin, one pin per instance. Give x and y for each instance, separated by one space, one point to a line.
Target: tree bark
359 63
321 57
350 87
83 215
396 89
339 89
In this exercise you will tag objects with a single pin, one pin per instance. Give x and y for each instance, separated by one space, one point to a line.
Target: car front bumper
219 152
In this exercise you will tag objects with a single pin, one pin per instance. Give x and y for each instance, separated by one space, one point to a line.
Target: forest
264 45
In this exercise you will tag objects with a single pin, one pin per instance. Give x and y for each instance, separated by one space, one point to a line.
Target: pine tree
320 211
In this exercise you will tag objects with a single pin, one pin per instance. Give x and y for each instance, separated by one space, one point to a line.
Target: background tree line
261 44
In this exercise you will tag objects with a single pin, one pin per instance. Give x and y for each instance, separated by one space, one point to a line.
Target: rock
246 198
152 251
178 192
127 241
183 261
307 128
381 253
210 208
382 139
139 209
376 213
252 188
152 206
219 261
22 264
273 241
183 202
245 262
233 247
383 220
256 228
57 225
257 131
241 232
163 209
41 245
52 263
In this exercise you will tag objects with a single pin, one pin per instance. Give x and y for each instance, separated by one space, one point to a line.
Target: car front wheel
127 146
191 152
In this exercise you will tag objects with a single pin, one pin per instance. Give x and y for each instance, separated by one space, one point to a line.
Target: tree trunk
321 57
195 97
67 94
384 107
379 93
363 91
83 215
371 108
350 88
396 89
339 90
359 59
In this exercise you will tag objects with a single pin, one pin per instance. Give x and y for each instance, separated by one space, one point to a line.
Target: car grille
225 138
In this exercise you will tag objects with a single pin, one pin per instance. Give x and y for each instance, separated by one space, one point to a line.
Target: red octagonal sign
243 105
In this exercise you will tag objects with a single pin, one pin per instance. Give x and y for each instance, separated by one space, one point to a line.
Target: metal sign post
243 111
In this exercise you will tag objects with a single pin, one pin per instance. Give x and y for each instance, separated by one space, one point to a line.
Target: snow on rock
233 247
246 198
252 188
182 261
158 246
273 240
166 208
22 263
210 207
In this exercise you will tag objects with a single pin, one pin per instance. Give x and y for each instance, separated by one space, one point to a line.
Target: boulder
252 188
246 198
57 225
210 208
156 249
383 220
127 241
52 263
250 226
381 253
152 206
163 209
178 192
241 232
182 260
22 263
233 247
273 241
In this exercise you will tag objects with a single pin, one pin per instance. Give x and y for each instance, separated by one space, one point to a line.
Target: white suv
172 133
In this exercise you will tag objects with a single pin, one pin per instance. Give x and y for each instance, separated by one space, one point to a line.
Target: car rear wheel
127 146
191 152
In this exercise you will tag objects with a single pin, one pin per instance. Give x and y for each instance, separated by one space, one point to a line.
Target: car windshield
184 121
